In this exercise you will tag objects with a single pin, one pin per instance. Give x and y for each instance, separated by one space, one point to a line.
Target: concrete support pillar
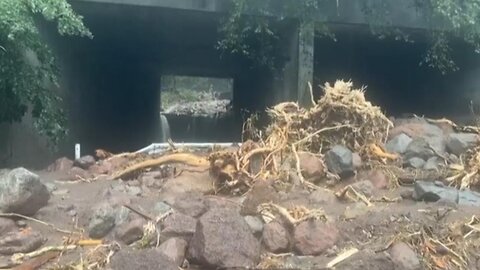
306 42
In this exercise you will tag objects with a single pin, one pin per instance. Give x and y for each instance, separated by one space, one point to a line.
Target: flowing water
164 128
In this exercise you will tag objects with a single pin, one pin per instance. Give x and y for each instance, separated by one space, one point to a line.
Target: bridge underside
112 83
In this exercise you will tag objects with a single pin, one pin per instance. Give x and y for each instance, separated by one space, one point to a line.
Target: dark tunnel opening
392 73
113 82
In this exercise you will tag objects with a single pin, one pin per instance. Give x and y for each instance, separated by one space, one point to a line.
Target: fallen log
183 158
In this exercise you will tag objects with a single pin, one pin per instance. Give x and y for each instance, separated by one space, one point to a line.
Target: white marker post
77 151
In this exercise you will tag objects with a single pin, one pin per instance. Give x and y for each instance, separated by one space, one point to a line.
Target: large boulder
459 143
339 160
223 239
22 192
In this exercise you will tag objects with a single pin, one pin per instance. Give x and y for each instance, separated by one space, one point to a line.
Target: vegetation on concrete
28 73
257 37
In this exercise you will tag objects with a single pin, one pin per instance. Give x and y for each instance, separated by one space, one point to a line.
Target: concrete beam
198 5
401 14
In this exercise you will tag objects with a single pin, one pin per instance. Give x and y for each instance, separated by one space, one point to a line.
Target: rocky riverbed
66 218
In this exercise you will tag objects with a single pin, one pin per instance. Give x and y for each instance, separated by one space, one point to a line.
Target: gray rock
133 190
437 143
22 192
179 225
420 148
398 144
275 237
404 257
432 192
416 162
469 198
131 231
432 164
6 225
255 224
18 242
365 187
129 259
459 143
104 218
314 237
223 239
339 160
51 187
84 162
174 249
161 208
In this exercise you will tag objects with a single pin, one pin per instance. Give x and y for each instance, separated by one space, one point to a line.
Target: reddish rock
224 240
404 257
129 259
311 165
378 179
178 225
275 237
131 231
214 202
61 165
174 249
314 237
97 169
261 192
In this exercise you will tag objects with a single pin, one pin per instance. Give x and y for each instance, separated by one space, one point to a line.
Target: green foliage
256 37
27 67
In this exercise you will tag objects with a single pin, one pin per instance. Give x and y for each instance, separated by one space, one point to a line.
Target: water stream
164 128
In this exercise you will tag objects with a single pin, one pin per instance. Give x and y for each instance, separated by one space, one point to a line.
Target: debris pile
331 186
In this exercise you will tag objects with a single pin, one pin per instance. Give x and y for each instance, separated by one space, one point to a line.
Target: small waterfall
164 128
